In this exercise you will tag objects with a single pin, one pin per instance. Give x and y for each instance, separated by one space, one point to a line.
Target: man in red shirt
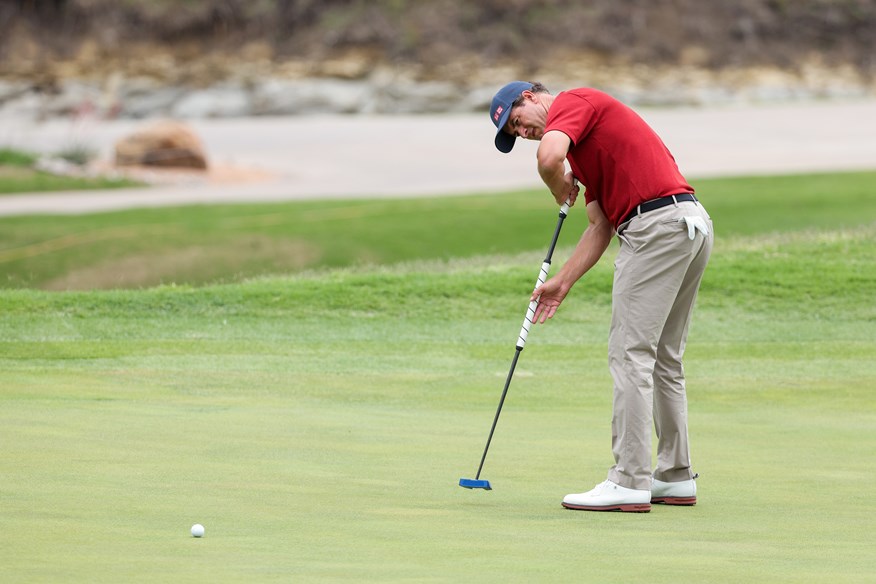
633 189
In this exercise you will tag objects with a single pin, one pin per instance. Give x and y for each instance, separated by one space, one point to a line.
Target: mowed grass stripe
205 244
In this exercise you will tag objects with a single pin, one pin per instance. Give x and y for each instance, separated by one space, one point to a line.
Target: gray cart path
341 157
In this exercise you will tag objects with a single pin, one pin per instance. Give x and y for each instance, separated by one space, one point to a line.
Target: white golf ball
197 530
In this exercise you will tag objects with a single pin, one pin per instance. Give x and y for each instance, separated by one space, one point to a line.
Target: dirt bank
220 58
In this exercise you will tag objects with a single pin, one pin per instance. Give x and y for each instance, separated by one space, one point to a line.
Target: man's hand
569 192
590 248
549 295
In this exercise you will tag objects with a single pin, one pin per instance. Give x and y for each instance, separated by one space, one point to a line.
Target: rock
478 99
310 96
165 144
409 97
74 98
221 101
10 90
363 87
141 97
158 102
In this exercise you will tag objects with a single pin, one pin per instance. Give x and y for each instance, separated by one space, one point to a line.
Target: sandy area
335 157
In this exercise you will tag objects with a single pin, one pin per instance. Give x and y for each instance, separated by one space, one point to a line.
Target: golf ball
197 530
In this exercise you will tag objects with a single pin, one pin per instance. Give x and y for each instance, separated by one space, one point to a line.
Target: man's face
527 120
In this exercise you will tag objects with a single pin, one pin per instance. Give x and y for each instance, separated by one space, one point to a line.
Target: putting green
317 427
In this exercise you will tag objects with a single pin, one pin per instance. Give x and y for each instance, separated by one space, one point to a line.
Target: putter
477 482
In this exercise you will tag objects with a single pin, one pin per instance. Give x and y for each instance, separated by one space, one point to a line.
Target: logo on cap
498 113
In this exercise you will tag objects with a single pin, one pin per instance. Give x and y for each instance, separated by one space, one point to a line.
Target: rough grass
22 180
201 245
317 424
18 175
10 157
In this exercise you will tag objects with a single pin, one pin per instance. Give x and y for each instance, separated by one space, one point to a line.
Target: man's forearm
552 171
590 248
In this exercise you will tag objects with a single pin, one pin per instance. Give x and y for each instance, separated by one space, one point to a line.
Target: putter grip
542 277
564 210
530 312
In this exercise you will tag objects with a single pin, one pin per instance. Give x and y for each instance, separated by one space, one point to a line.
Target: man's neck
547 100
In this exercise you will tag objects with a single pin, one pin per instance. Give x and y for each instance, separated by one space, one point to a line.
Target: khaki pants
657 275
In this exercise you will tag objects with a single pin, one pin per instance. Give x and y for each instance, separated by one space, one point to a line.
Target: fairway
317 424
229 243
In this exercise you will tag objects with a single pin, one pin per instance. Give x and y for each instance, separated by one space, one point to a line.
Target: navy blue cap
500 109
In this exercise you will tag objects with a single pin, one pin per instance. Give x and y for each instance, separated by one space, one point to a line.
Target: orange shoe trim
626 507
687 501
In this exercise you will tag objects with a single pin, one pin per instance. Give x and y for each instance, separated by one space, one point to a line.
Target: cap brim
504 141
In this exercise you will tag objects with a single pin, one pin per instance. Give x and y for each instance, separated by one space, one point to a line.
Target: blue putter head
475 484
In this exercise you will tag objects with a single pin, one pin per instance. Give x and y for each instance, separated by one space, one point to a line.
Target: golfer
633 189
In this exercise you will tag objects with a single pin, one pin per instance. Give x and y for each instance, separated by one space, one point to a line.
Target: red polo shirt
614 153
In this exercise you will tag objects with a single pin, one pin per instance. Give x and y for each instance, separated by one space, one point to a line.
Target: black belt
659 203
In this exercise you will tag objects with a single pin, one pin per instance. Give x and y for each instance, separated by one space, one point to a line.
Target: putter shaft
524 330
499 410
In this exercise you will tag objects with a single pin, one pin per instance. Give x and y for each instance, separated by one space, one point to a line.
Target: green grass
201 245
317 424
19 158
15 180
17 174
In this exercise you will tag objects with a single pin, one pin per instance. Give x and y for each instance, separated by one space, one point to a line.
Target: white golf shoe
678 493
609 496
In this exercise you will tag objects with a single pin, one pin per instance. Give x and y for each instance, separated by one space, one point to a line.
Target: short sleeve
573 115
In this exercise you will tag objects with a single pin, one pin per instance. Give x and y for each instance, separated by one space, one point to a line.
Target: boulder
221 101
165 144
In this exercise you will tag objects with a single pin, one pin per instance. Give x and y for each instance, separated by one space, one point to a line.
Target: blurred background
127 104
232 58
